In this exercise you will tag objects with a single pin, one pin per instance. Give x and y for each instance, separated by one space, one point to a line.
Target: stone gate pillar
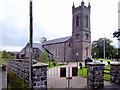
39 76
115 73
95 75
3 77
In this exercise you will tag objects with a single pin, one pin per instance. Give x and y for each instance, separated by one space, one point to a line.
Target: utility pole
30 46
104 47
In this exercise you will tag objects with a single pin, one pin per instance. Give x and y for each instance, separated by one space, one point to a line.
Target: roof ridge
63 39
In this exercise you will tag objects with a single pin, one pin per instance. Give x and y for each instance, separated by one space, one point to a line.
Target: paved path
54 80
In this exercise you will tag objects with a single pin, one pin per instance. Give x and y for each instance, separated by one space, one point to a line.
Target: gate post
39 75
95 75
3 77
115 73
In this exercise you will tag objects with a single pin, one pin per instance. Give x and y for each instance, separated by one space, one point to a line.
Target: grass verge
101 59
51 64
83 72
15 82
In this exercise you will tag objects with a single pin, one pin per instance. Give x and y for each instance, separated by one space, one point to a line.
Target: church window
87 52
87 21
77 36
77 21
59 53
56 53
70 44
87 36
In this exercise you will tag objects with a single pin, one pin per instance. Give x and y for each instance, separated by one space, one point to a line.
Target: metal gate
65 77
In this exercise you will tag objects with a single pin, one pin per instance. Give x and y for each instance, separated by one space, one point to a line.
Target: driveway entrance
55 80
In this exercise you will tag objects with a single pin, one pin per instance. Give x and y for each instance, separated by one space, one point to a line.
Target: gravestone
95 75
115 73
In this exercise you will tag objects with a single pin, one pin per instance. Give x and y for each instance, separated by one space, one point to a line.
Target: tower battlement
81 7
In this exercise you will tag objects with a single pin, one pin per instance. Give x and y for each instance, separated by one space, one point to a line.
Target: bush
44 56
80 64
54 63
108 62
52 59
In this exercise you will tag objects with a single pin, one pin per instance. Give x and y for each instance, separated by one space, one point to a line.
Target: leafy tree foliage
43 39
43 56
116 33
52 58
98 48
8 55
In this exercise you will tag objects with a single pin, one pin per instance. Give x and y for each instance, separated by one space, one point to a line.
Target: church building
78 46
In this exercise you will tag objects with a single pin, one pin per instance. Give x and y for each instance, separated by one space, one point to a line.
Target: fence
20 68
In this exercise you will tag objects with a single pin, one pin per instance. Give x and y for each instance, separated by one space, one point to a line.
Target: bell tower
81 34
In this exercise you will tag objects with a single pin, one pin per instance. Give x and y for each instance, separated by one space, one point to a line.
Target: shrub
44 56
80 64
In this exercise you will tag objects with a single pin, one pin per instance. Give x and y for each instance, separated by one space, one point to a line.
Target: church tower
81 34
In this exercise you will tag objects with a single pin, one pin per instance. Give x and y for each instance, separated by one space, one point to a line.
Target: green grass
83 72
15 82
51 65
3 62
107 76
101 59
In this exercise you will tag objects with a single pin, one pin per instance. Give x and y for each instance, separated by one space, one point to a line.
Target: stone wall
20 68
57 49
115 73
95 75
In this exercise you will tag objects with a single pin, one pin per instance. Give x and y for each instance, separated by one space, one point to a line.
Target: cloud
51 19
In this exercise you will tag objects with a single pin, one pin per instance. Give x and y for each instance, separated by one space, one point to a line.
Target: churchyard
53 74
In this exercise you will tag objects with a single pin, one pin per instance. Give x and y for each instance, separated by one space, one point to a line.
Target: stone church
75 47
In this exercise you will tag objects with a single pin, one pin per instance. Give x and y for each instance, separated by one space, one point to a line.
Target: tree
98 48
52 58
43 39
44 56
8 55
116 34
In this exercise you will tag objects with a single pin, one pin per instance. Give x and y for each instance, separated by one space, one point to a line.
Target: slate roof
38 45
59 40
35 45
22 51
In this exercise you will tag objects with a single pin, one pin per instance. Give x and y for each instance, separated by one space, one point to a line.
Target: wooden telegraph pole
30 46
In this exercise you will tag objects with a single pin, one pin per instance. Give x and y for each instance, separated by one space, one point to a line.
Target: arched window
87 52
86 21
77 21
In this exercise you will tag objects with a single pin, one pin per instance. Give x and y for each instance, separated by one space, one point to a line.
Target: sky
52 19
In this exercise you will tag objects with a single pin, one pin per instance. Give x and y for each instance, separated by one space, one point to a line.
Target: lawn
51 65
101 59
83 72
107 76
